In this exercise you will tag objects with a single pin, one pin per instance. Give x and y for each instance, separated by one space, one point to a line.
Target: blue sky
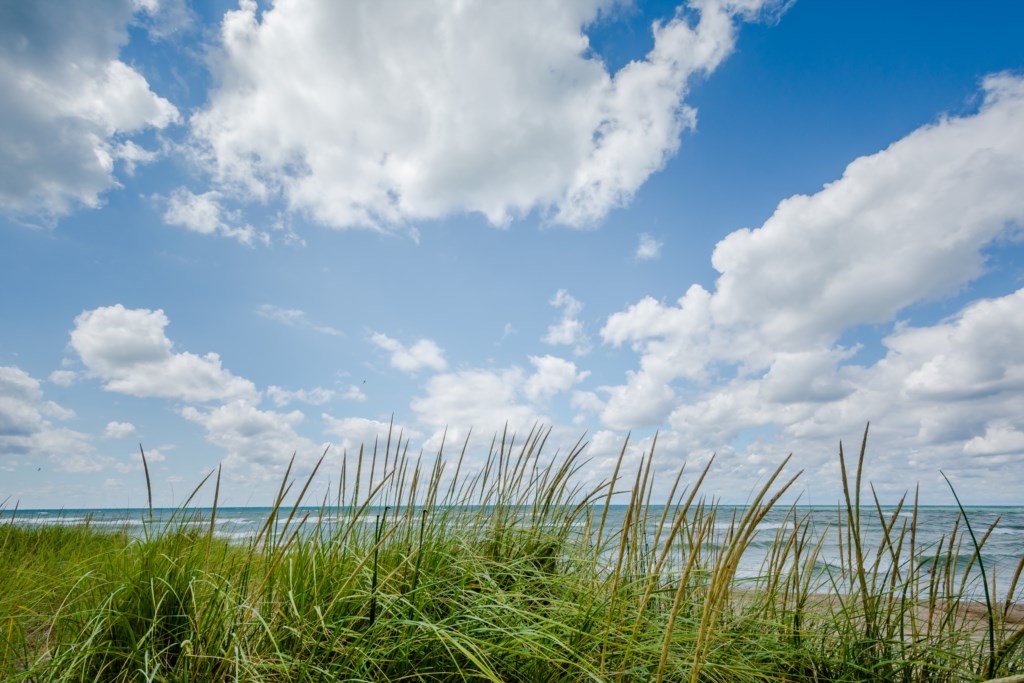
234 232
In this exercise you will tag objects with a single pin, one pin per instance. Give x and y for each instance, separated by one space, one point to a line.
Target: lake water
1002 551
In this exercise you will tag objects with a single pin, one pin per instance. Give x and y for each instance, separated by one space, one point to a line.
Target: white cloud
643 401
806 376
295 318
1000 438
26 430
489 400
568 331
901 225
673 342
979 353
133 461
316 396
262 440
204 214
648 248
59 412
353 432
131 155
554 375
128 350
148 6
940 393
424 353
754 366
373 115
904 224
119 430
354 393
481 400
69 105
63 378
164 18
20 401
587 401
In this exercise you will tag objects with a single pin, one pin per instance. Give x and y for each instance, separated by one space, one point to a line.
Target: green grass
512 574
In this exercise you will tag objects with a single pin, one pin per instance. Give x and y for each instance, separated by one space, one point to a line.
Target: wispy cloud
205 214
648 248
63 378
354 393
294 317
568 331
316 396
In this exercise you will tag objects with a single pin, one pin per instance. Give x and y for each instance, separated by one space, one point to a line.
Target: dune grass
511 574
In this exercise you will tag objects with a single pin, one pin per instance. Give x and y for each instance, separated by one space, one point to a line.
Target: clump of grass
418 571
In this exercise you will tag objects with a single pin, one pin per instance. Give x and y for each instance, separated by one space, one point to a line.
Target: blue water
1002 551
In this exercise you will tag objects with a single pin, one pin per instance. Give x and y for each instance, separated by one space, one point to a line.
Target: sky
232 233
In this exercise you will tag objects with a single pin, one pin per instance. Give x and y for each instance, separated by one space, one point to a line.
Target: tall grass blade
991 671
